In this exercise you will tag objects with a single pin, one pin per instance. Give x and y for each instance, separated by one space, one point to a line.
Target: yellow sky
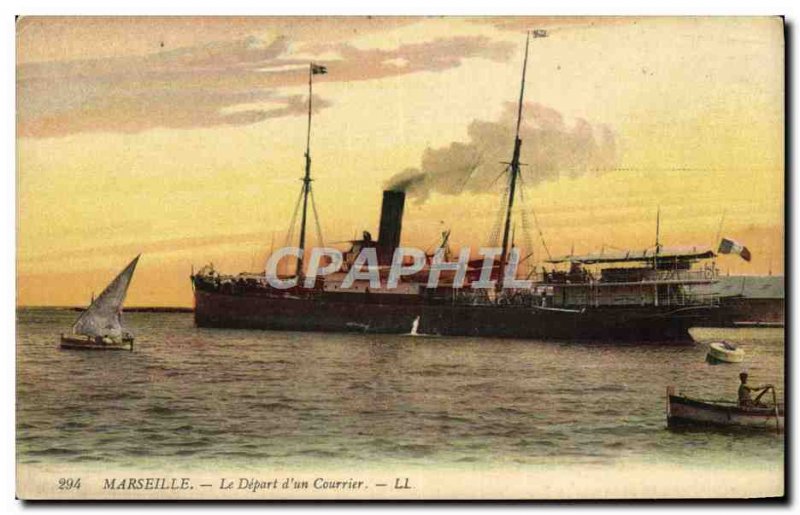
183 138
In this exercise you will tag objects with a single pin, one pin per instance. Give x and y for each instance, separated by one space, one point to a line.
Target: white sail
103 316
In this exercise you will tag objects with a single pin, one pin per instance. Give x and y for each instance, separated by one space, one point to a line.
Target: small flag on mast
727 246
318 69
539 33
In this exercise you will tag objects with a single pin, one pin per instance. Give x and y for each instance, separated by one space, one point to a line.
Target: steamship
641 296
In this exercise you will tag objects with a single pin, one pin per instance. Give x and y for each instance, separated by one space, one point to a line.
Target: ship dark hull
636 324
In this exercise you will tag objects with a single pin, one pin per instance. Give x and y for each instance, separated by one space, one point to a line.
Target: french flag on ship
727 246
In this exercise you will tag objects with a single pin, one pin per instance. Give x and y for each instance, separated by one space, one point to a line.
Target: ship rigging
306 191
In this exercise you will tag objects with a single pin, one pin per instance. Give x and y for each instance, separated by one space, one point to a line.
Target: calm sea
202 396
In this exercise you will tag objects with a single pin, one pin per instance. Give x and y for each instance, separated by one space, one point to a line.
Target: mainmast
658 242
313 69
514 165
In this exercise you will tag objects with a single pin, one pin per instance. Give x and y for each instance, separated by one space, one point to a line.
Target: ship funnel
391 224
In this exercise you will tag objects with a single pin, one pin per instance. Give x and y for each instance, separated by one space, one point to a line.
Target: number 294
69 483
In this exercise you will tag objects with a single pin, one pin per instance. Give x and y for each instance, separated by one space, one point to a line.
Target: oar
777 413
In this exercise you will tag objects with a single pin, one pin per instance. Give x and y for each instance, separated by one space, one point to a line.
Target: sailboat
100 326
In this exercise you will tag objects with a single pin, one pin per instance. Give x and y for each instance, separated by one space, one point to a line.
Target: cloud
551 148
555 23
59 38
208 85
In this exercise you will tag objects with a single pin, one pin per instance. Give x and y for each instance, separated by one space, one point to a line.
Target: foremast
514 165
313 69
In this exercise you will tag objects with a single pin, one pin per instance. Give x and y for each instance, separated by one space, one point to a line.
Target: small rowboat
725 352
685 412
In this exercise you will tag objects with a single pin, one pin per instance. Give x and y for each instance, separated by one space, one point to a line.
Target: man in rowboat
746 391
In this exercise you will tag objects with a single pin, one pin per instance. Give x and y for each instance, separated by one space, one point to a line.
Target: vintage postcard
354 258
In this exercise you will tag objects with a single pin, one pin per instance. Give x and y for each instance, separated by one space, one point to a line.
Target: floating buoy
725 352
